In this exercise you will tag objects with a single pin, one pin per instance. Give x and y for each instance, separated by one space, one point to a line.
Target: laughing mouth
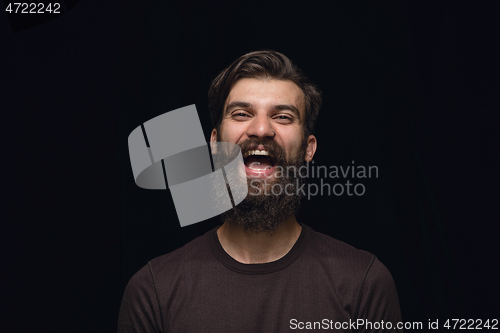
258 160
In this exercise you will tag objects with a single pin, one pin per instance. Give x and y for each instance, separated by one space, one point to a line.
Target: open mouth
258 162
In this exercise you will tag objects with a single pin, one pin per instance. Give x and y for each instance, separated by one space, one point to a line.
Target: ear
213 136
311 148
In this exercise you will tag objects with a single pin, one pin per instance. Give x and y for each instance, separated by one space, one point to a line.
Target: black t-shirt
320 285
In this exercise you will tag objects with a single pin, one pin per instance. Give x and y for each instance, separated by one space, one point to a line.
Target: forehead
267 92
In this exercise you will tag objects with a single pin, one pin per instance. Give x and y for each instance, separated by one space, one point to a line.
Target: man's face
266 119
254 111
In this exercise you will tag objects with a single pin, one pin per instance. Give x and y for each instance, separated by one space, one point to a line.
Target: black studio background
409 87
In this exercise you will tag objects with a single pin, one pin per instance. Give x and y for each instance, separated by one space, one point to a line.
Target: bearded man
262 270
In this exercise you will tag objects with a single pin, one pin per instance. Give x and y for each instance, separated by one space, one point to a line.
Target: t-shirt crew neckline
266 268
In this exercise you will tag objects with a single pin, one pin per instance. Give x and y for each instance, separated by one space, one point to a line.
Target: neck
251 248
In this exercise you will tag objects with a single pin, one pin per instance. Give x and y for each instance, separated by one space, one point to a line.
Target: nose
260 128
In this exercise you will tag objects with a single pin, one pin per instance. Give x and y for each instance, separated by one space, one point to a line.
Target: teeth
256 152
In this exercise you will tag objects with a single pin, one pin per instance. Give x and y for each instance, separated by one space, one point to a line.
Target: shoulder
158 272
359 276
195 252
377 297
339 255
362 265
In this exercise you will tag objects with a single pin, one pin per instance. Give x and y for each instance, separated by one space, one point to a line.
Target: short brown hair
263 65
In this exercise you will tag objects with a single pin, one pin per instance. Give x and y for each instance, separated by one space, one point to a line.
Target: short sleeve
140 311
378 302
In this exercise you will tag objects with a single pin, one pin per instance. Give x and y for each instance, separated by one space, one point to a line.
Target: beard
269 201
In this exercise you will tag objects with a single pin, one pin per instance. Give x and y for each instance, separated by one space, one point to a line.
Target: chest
211 301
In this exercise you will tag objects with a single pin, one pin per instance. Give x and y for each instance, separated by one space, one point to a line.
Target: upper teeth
256 152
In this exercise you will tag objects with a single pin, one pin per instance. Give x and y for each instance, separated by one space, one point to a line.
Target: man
262 271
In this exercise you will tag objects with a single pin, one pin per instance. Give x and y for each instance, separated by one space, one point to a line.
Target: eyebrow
279 107
237 104
287 107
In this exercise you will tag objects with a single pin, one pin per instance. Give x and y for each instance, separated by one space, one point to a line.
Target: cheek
231 133
293 148
222 135
226 135
297 147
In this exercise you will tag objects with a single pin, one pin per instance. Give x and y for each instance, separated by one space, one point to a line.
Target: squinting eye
284 118
236 115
